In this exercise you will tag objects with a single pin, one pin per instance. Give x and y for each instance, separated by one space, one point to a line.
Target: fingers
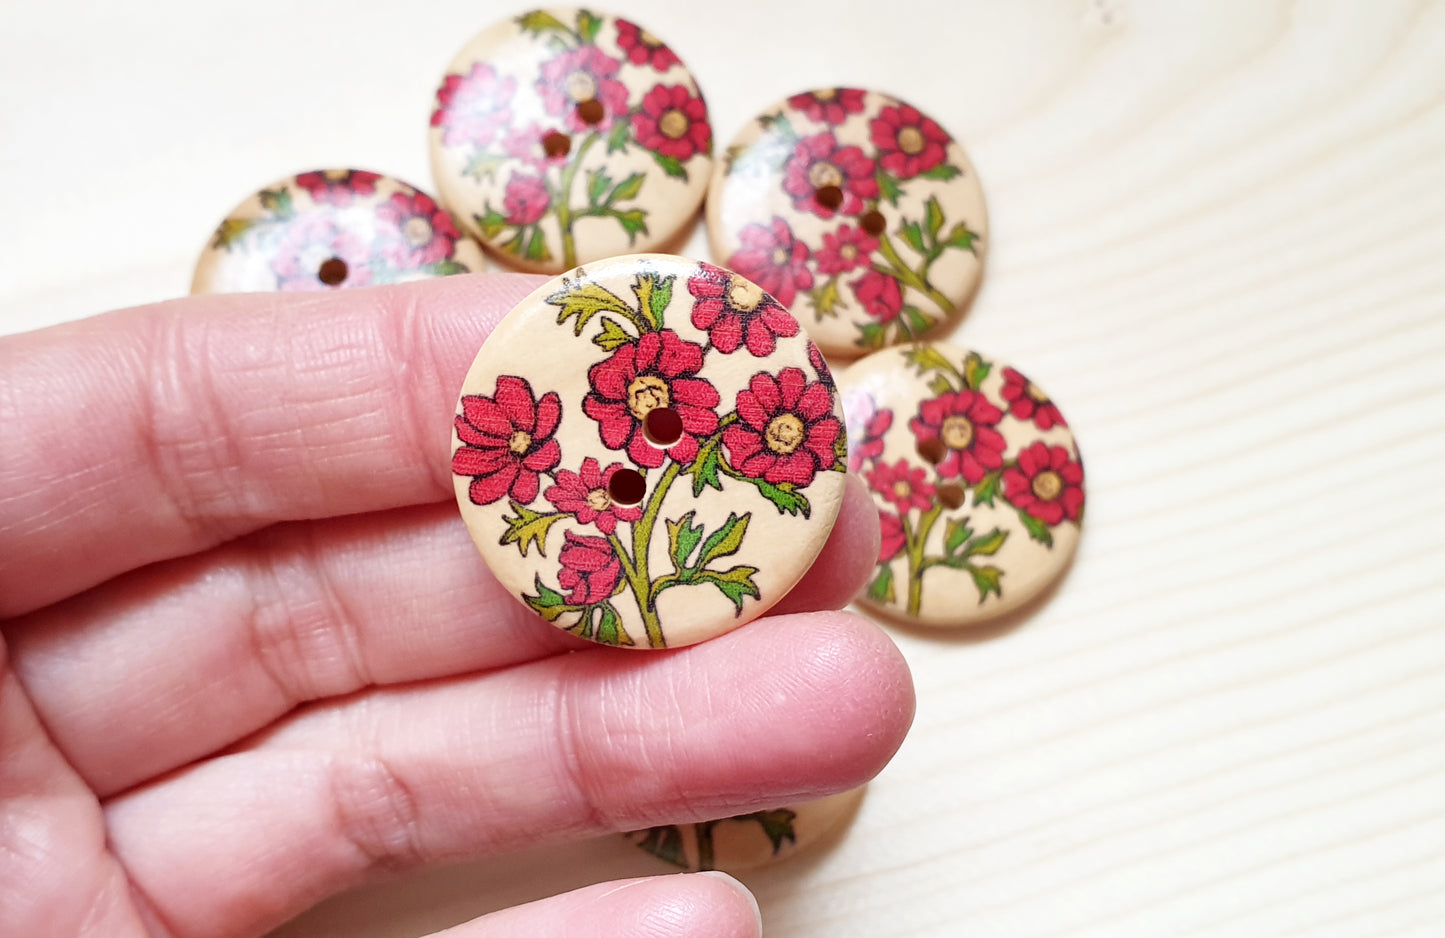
158 431
685 905
788 709
170 663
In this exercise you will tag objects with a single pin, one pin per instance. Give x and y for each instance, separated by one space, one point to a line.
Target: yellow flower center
744 296
957 432
1036 394
648 39
581 86
520 442
599 500
416 231
822 174
1047 485
910 140
780 257
784 434
901 489
848 252
674 124
645 394
826 94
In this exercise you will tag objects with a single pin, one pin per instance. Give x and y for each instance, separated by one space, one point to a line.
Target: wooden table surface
1218 239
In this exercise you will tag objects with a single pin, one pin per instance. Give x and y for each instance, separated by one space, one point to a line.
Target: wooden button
561 137
748 841
858 212
648 451
333 228
977 478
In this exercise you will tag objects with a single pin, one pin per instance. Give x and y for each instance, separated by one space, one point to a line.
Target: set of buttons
671 459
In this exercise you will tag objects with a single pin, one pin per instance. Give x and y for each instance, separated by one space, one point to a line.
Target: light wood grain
1218 239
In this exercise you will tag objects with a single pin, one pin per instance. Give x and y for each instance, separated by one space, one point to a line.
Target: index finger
163 430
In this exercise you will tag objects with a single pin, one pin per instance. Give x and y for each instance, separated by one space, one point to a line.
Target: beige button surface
977 478
562 136
748 841
858 212
333 228
648 451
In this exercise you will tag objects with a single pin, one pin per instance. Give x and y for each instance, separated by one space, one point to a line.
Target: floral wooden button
748 841
562 136
857 211
648 452
333 228
977 478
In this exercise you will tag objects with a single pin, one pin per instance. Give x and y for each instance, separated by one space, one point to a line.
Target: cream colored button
858 212
648 452
561 136
333 228
977 478
748 841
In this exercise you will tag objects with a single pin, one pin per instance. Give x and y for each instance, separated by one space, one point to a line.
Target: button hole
591 111
332 271
626 487
662 426
557 144
830 197
951 495
873 222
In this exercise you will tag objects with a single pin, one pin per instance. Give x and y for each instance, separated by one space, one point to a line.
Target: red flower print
773 259
964 421
736 312
1046 483
526 200
880 294
585 495
590 568
471 108
583 74
818 162
525 144
507 441
866 426
658 370
891 541
820 365
673 123
908 143
829 105
846 249
338 186
785 430
310 241
415 231
642 47
904 485
1027 402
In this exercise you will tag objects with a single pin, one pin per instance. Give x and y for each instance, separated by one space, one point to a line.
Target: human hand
254 659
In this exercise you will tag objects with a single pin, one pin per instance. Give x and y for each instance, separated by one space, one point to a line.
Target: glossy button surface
977 478
333 228
562 136
748 841
648 452
857 211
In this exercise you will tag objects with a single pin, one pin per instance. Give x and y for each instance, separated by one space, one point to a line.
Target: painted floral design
736 312
960 475
1026 402
773 259
666 842
882 192
776 435
580 134
352 228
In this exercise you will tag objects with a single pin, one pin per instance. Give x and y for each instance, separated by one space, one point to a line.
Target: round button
648 452
333 228
977 478
748 841
561 137
857 211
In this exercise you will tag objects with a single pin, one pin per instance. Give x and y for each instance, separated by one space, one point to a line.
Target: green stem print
667 841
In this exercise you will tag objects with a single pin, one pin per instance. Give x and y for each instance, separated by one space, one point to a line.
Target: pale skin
250 657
